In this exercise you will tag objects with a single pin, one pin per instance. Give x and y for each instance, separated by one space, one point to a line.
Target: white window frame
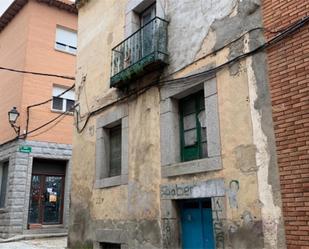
67 47
57 90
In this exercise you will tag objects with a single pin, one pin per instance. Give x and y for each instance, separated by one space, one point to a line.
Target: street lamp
13 115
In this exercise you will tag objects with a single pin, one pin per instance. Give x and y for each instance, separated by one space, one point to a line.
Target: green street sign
25 149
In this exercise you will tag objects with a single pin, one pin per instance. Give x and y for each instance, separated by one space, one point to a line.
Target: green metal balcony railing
143 51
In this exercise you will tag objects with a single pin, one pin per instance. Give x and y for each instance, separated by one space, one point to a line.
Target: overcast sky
4 4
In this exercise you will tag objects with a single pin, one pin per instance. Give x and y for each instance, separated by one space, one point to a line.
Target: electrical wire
285 33
54 124
42 103
37 73
49 122
282 35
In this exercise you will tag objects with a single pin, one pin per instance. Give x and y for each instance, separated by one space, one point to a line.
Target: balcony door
147 34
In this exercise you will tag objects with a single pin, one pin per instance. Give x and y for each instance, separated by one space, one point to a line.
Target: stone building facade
35 161
174 143
289 85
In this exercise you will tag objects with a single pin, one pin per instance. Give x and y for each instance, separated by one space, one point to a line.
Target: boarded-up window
110 246
193 127
4 168
115 151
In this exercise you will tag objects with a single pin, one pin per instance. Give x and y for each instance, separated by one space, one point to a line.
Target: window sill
111 181
58 111
192 167
65 52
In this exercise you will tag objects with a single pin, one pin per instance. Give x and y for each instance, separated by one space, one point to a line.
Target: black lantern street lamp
13 115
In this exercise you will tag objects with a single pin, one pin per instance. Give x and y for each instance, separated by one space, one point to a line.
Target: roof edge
80 3
17 5
11 12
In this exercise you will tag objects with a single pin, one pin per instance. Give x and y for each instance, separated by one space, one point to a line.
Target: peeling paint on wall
271 213
193 46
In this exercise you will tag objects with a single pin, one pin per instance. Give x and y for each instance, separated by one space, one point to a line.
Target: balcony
142 52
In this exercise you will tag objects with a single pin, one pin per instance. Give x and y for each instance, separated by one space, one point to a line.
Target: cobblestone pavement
47 243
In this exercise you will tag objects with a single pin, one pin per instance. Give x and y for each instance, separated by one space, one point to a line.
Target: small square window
63 102
4 168
110 246
193 127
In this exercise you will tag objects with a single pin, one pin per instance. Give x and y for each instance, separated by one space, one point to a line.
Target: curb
33 236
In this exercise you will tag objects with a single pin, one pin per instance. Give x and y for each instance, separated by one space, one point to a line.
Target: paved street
48 243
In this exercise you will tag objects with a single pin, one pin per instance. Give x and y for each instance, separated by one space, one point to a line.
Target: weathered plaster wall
248 214
133 208
194 25
245 117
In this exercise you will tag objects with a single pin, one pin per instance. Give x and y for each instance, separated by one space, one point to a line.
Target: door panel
208 228
46 199
148 30
52 204
35 199
192 233
197 226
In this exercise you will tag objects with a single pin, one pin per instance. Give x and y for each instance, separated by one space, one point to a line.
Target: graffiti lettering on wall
193 190
218 214
99 200
167 233
177 191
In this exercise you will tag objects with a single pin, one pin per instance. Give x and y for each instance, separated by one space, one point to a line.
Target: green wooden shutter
115 151
192 127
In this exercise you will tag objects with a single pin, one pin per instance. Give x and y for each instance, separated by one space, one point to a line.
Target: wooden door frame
41 209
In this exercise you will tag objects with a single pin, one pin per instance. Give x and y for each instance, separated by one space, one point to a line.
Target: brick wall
289 84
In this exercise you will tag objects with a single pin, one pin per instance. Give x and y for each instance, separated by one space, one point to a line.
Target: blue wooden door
209 242
197 228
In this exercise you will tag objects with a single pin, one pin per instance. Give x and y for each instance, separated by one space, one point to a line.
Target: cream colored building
174 145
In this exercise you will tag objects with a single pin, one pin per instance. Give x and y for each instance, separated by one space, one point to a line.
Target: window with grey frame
4 168
190 131
111 148
193 127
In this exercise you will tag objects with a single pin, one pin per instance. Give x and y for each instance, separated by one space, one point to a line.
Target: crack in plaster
271 213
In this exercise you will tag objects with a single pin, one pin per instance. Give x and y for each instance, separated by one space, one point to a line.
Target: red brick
288 66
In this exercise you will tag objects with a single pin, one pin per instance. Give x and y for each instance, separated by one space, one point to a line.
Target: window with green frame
193 127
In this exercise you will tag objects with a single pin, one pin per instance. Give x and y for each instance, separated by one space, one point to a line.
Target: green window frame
192 127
